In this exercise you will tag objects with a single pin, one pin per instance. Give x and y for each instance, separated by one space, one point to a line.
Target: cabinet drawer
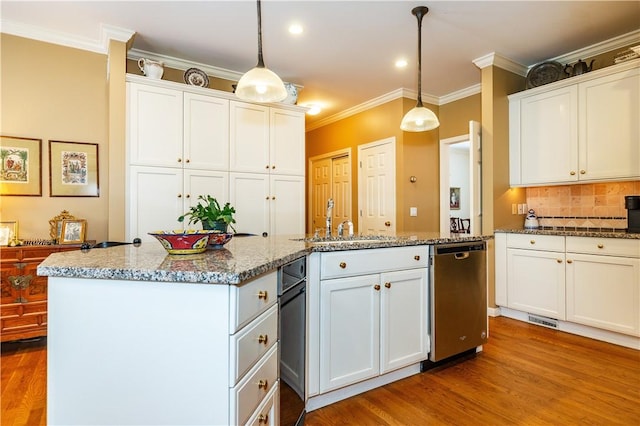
254 387
251 299
604 246
535 242
359 262
247 346
267 412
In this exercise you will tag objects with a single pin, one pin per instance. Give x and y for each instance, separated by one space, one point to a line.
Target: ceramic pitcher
152 69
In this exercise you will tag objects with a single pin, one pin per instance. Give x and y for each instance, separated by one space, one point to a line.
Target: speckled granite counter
571 233
240 259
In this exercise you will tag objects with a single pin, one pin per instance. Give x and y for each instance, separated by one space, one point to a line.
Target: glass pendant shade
260 84
420 118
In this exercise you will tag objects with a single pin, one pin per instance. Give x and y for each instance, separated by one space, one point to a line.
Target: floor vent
547 322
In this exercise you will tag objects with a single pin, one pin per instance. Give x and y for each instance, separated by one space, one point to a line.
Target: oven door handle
290 295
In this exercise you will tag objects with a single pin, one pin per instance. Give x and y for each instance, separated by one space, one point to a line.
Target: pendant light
261 84
420 118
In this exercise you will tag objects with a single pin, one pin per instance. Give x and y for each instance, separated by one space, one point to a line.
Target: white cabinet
268 203
603 283
535 274
371 324
579 129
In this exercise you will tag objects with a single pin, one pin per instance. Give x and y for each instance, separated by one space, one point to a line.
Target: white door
202 182
461 167
376 187
287 205
249 194
403 319
206 132
287 142
248 137
349 330
330 178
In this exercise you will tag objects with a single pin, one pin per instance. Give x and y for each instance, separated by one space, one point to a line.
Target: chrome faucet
329 214
341 228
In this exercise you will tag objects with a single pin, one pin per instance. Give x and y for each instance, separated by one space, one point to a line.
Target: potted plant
210 214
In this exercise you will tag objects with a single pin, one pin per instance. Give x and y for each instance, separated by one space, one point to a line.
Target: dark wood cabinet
23 294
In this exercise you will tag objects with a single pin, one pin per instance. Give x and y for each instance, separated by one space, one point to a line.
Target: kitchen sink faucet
329 214
349 226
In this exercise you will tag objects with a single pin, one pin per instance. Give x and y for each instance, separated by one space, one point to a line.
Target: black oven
292 299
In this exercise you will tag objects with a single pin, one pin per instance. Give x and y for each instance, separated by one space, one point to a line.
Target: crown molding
500 61
101 45
599 48
460 94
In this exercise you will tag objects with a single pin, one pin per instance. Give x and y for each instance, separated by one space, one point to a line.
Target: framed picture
73 169
21 168
454 198
8 232
55 224
72 231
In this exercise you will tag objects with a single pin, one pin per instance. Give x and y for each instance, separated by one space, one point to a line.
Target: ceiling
346 54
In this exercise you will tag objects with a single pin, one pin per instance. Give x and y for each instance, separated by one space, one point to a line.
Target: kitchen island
137 336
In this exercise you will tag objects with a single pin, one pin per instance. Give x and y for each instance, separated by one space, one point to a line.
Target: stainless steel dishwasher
458 298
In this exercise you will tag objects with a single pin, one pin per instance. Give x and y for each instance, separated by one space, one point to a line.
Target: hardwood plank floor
527 375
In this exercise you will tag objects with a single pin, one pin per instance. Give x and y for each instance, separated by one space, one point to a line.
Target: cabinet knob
263 418
263 384
572 173
343 265
266 167
559 260
263 339
387 223
179 160
266 198
273 167
188 196
416 257
387 285
569 261
600 245
532 241
376 287
262 294
187 161
582 172
273 198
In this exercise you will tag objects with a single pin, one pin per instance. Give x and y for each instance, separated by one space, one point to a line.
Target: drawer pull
343 265
600 245
263 294
582 172
532 241
572 173
187 161
263 339
263 418
263 384
387 285
559 260
20 282
179 160
376 287
569 261
416 257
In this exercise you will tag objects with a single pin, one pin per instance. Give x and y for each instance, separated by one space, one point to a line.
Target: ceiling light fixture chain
420 118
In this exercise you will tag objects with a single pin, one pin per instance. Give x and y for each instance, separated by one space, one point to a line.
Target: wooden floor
527 375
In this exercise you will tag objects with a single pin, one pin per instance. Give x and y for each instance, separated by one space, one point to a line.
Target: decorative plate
544 73
196 77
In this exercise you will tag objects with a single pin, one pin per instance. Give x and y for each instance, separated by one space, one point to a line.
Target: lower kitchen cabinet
23 313
372 324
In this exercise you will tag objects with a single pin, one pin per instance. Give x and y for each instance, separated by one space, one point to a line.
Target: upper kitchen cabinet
266 139
171 128
582 129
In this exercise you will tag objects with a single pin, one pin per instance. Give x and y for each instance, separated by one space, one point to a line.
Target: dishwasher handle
461 256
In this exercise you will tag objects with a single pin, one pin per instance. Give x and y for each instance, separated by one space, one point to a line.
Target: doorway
330 178
376 187
460 182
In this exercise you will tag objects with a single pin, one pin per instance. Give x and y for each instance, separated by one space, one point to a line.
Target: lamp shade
419 119
260 84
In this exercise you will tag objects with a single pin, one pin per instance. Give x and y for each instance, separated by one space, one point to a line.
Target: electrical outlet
514 209
413 211
520 209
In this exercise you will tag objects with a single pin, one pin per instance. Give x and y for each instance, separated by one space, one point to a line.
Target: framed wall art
21 167
454 198
73 169
8 232
55 224
73 231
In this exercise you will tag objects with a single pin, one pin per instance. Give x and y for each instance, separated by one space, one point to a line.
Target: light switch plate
413 211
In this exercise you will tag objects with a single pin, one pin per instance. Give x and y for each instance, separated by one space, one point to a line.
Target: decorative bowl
190 241
218 239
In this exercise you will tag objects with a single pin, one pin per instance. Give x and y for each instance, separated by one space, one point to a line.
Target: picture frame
454 198
55 224
73 169
73 231
8 232
20 166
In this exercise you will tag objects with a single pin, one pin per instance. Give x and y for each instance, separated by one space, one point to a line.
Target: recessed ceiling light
314 109
401 63
296 29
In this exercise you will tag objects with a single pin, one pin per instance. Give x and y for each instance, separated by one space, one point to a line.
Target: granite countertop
240 259
573 233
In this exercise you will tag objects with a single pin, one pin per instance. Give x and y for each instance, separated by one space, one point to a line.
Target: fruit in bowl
218 239
189 241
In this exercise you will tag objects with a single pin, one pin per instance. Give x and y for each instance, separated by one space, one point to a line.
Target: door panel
377 187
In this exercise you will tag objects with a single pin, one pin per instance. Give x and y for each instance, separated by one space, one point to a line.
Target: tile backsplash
590 205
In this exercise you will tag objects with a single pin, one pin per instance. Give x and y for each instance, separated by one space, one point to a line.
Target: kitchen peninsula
137 336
